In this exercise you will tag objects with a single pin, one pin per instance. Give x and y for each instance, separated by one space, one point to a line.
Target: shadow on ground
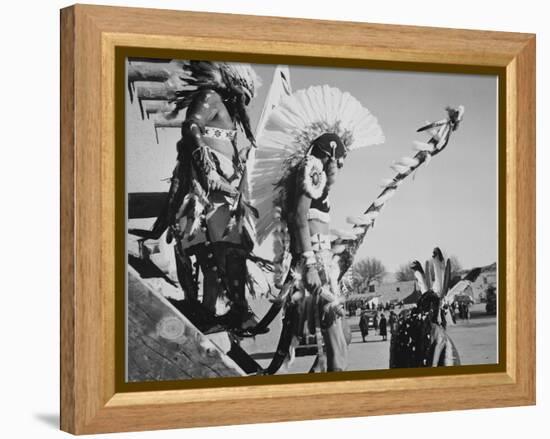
49 419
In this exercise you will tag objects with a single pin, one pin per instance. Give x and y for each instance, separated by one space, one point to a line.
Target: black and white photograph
288 219
272 220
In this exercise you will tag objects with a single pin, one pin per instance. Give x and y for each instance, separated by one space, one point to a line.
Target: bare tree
456 266
367 271
404 273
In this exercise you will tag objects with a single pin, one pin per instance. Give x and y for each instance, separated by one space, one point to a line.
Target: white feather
411 162
421 282
358 220
399 168
371 216
422 146
439 271
385 197
388 182
337 249
345 234
458 289
304 114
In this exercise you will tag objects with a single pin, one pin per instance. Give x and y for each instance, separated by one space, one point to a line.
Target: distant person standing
465 310
393 322
364 325
383 328
375 322
454 311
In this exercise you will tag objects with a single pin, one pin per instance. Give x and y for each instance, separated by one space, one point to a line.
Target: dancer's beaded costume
307 136
421 339
210 220
206 210
283 158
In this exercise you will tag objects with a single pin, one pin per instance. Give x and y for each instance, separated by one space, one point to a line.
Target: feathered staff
346 245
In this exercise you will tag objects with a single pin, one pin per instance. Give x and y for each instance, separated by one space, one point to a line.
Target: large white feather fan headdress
291 127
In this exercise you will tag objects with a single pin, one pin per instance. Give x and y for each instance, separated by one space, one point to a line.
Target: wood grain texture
164 345
90 35
314 37
67 254
525 227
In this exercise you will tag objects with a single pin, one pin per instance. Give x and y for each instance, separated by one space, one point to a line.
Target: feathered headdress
221 76
440 285
241 75
290 129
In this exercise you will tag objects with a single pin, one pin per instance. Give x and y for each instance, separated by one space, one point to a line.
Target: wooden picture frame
91 400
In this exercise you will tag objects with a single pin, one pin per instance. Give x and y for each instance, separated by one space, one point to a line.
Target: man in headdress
308 224
306 140
421 339
205 211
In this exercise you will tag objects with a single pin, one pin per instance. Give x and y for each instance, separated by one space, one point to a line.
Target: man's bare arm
302 227
303 235
202 110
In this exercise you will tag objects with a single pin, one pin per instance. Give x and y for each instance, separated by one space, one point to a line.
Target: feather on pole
440 132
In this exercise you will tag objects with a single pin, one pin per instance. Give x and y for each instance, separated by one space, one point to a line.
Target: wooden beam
164 345
151 72
154 91
145 204
157 107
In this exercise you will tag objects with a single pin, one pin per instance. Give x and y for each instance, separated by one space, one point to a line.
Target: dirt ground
476 341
